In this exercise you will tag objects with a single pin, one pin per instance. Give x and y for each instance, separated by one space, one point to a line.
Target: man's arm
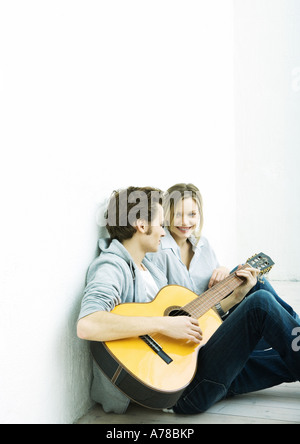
250 280
106 326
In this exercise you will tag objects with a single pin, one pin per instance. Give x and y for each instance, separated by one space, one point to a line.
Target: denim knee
261 299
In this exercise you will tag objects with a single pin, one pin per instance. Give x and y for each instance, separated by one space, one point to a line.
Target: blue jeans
234 361
263 284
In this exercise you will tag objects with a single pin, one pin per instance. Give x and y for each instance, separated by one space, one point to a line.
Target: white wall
95 96
267 67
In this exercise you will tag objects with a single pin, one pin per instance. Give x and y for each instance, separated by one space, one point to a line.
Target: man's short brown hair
128 205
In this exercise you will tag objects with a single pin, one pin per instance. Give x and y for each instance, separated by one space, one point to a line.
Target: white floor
277 405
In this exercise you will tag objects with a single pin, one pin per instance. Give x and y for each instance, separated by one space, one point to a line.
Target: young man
122 274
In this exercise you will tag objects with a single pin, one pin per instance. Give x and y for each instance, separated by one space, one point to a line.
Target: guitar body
141 373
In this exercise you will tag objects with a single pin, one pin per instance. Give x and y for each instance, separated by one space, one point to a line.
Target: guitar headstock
262 262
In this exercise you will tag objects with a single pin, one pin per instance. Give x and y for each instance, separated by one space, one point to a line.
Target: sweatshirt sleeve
105 285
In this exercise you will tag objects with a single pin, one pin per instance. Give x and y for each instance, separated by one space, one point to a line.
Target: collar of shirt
168 242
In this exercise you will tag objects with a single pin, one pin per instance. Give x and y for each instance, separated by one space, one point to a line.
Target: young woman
186 257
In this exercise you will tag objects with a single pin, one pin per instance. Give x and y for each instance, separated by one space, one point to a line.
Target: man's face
155 231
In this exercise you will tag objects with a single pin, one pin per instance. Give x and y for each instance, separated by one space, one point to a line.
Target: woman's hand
218 275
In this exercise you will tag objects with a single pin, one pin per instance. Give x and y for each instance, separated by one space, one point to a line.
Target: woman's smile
184 230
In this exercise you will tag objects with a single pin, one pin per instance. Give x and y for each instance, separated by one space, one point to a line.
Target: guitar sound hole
177 311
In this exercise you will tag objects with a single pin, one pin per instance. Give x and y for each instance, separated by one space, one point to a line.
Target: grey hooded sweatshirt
113 279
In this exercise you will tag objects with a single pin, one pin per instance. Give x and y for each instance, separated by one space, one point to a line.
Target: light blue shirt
197 277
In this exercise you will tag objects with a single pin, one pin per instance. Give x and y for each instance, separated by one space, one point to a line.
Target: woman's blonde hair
175 194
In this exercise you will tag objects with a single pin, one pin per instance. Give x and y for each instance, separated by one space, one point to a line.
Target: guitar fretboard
211 297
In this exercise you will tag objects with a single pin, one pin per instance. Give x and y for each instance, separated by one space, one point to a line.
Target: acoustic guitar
154 370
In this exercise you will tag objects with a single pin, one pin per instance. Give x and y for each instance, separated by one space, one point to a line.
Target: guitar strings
204 302
207 300
199 306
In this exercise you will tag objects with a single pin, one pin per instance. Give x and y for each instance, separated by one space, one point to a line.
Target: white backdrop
94 96
267 121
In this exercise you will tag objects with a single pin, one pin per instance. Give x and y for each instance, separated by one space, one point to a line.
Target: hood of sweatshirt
114 247
107 245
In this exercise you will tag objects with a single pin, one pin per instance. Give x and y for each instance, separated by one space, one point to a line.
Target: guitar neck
211 297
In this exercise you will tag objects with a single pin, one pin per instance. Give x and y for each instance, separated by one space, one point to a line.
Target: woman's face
186 218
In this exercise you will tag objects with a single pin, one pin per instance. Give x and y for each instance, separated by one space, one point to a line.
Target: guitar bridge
156 348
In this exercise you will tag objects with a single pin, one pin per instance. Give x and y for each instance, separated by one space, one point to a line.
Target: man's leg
263 370
226 354
264 284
